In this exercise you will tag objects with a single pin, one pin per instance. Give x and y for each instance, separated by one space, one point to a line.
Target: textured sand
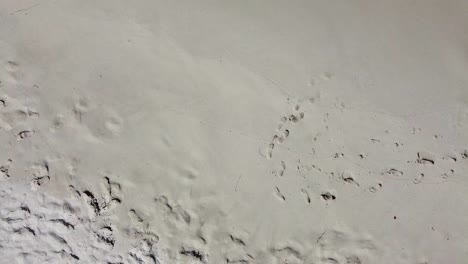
260 132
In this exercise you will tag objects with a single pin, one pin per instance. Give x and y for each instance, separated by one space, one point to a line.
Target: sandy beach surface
235 132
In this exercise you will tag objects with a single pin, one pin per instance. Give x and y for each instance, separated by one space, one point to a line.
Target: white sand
267 132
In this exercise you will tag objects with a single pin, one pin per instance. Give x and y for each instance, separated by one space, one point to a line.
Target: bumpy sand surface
259 132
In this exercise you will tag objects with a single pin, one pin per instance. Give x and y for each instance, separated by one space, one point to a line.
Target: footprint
329 261
5 169
394 172
25 134
237 240
327 76
280 171
280 138
353 260
415 130
33 114
137 235
105 237
175 211
57 242
116 259
13 113
464 154
74 191
279 194
107 201
328 196
306 195
314 99
296 118
374 189
114 125
448 174
194 254
267 150
63 223
338 155
418 179
11 66
297 107
58 122
134 216
40 174
425 158
113 189
349 177
93 202
451 157
288 254
82 106
143 253
281 123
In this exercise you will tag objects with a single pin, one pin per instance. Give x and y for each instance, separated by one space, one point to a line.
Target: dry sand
261 132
